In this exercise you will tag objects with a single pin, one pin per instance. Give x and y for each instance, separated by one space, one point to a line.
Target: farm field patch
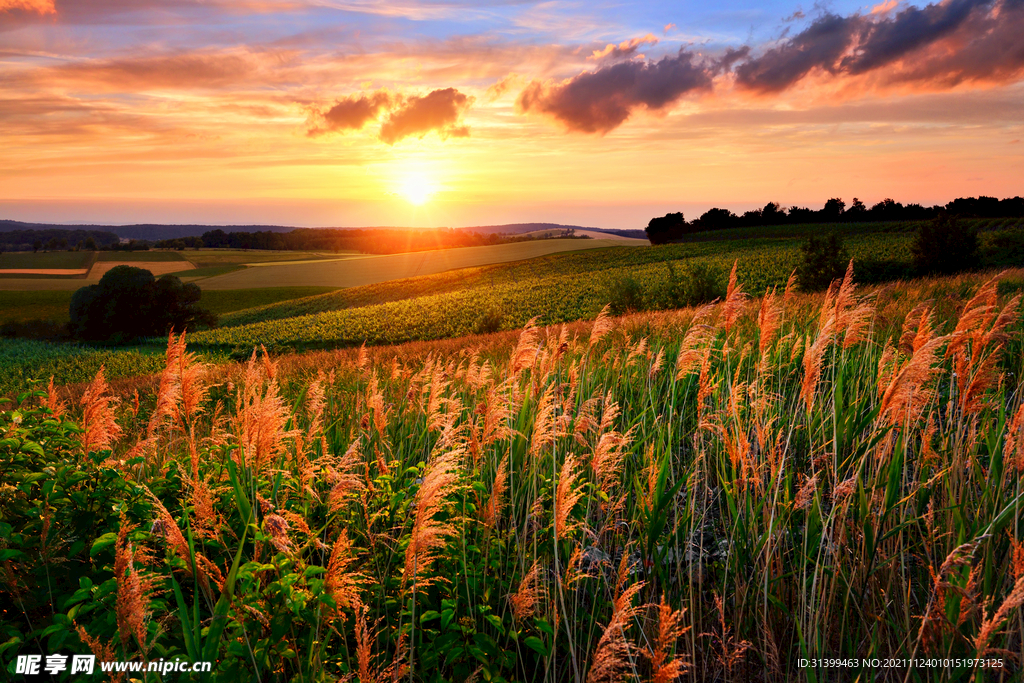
372 269
150 256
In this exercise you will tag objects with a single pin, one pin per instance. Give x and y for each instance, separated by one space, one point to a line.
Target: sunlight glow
417 188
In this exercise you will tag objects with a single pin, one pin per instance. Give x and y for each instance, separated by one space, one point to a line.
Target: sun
417 188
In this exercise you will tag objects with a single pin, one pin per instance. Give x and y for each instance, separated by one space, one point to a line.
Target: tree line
365 240
673 226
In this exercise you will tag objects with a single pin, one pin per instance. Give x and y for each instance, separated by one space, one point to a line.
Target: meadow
712 493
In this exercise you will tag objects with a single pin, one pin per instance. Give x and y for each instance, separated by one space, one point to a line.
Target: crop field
371 269
228 257
710 493
150 256
45 260
448 305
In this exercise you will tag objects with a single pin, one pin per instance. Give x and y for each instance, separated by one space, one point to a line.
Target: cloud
31 6
187 70
495 91
600 101
669 27
817 47
403 116
624 50
944 44
439 111
352 113
885 7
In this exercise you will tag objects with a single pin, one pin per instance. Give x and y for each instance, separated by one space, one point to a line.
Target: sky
456 113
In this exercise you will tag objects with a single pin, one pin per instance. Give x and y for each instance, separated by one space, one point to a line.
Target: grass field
35 305
46 260
147 256
53 305
370 269
717 493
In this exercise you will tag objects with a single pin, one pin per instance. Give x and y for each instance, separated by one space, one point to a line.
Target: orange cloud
439 111
884 7
626 48
37 6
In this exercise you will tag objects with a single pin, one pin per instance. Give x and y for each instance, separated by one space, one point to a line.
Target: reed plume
260 416
567 494
603 324
613 652
53 401
525 353
134 591
664 667
768 317
492 511
529 595
735 298
429 534
342 582
990 626
100 428
813 357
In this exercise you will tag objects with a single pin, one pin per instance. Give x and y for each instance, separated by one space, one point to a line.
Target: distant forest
674 225
55 239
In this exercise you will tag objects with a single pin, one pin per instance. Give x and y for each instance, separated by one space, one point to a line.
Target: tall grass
713 493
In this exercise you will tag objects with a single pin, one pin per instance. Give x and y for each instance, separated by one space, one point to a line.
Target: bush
698 283
490 321
626 295
945 245
824 259
129 303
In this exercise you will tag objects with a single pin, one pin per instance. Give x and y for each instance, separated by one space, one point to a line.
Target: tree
717 219
772 214
833 209
857 211
129 303
36 246
90 244
824 260
662 230
945 244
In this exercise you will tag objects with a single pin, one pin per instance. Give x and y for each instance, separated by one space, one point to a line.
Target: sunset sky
356 113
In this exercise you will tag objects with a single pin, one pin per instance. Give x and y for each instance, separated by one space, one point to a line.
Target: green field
34 305
53 305
46 260
149 256
371 269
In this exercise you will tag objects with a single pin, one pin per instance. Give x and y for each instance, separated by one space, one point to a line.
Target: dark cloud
439 111
599 101
947 43
352 113
819 46
882 42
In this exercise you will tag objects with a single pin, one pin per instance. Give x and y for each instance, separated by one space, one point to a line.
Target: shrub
626 295
698 283
824 259
490 321
129 303
946 245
